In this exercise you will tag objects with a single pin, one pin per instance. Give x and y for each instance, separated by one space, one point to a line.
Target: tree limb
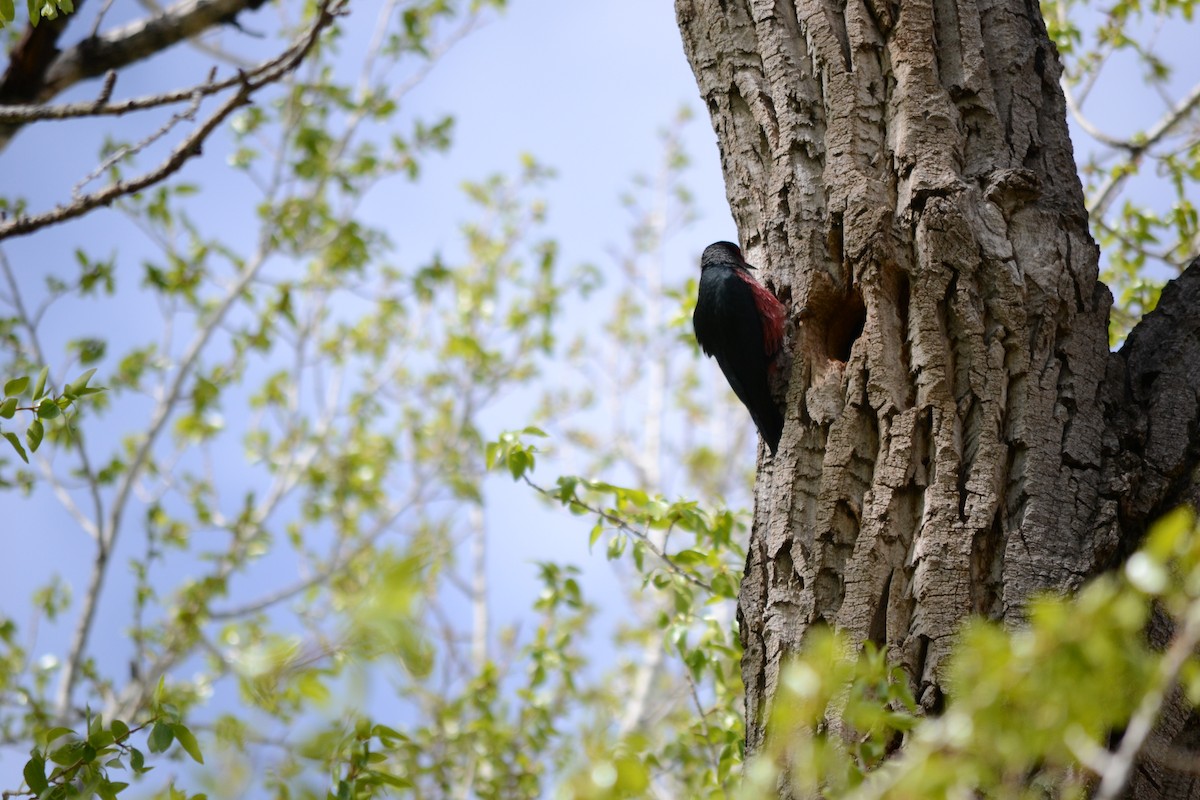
31 57
185 150
1098 205
39 71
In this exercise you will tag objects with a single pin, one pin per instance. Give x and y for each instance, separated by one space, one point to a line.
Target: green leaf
110 790
518 462
393 780
8 408
48 409
34 433
40 385
48 737
688 557
161 737
69 753
188 742
16 386
16 443
35 773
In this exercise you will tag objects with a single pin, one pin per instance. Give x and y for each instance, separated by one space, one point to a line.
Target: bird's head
725 254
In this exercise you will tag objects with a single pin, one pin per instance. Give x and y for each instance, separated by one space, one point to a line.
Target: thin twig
1117 771
622 525
126 151
184 151
1098 207
712 753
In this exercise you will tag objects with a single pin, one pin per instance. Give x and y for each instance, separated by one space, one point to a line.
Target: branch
31 57
185 150
133 42
49 73
101 107
622 525
1167 123
1116 773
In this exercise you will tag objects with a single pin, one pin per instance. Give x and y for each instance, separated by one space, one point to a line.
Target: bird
740 323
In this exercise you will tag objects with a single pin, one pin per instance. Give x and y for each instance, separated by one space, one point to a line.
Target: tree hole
845 326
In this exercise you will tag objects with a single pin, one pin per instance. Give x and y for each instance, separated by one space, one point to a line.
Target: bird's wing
772 313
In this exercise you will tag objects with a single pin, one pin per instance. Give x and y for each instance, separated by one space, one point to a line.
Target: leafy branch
43 406
81 762
633 513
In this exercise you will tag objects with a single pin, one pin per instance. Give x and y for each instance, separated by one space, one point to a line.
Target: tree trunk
957 434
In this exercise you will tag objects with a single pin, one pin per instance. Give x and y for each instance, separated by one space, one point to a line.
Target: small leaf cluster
45 406
838 714
69 763
688 560
37 9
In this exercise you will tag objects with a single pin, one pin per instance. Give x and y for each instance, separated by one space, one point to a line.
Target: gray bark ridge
1152 452
955 440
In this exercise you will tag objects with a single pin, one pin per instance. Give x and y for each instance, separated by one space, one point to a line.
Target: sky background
527 82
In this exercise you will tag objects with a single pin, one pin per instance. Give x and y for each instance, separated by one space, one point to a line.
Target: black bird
741 323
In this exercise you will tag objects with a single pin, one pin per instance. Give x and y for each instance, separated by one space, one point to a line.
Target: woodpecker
740 322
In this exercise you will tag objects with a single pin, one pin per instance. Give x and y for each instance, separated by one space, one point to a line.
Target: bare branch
186 149
133 149
202 46
1117 770
101 107
1098 206
479 600
136 41
183 152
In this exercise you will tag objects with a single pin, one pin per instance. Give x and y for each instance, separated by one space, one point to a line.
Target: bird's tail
769 422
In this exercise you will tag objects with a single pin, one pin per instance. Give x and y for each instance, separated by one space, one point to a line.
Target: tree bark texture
957 434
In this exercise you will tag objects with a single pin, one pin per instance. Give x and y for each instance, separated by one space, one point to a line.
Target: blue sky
584 87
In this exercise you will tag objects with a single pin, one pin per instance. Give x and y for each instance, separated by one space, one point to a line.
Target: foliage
1142 182
67 763
312 399
696 576
37 9
44 406
1031 711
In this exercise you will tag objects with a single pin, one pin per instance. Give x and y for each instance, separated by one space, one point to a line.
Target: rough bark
957 434
1152 454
